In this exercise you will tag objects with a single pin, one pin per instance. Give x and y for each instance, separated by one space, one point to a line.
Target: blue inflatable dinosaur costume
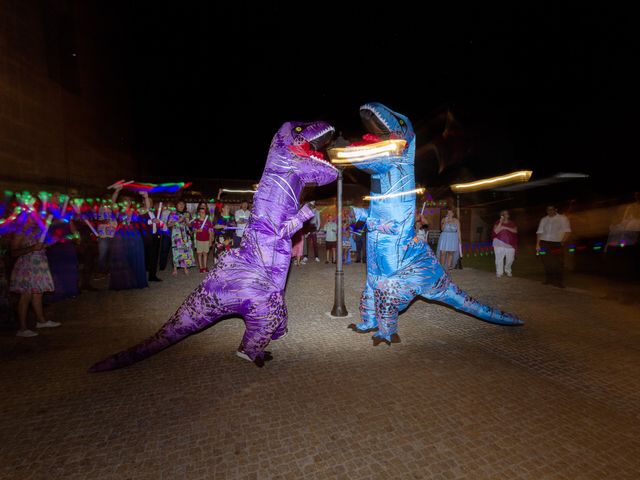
399 267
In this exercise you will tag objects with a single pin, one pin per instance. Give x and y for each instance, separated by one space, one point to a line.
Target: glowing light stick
155 188
44 198
422 211
360 153
393 195
121 183
228 190
114 185
515 177
91 227
158 217
64 206
46 228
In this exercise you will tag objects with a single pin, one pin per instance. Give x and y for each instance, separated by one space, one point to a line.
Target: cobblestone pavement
558 398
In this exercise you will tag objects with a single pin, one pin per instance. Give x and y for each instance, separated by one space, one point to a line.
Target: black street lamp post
339 309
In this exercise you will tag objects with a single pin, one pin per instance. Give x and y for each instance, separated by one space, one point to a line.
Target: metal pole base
339 309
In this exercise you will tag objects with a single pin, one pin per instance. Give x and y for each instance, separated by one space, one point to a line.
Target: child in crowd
222 244
346 245
203 227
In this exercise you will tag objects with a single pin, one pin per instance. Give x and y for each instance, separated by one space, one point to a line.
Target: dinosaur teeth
323 132
373 110
324 162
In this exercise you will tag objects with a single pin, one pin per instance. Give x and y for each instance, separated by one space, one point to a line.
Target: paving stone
458 398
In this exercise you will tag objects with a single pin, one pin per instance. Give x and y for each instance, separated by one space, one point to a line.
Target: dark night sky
540 87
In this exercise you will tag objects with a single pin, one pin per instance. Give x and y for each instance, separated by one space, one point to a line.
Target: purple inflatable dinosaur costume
249 281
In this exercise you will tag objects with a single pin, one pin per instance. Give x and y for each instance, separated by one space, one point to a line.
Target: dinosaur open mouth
310 148
322 138
373 122
305 150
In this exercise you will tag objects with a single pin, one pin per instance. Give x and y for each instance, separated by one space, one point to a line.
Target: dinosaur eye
298 129
401 122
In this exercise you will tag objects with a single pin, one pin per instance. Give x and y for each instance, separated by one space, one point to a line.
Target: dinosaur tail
460 300
190 318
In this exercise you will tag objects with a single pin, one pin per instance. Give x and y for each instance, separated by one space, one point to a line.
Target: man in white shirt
242 217
553 231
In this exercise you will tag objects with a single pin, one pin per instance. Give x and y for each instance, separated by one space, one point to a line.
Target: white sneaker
317 259
26 333
243 355
304 261
48 324
508 274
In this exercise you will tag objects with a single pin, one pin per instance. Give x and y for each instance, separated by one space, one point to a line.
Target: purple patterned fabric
249 281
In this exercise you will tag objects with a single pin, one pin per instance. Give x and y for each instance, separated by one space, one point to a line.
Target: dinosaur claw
394 338
378 340
262 359
355 328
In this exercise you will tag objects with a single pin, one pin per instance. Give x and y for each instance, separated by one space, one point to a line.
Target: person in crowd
204 205
30 277
450 240
219 230
346 244
126 260
305 247
87 241
204 227
222 244
505 243
296 247
181 239
62 255
331 237
106 228
553 231
165 235
151 236
359 234
421 231
312 232
242 217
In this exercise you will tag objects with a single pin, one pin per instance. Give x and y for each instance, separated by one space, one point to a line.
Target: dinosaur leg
367 312
392 295
281 330
201 309
263 322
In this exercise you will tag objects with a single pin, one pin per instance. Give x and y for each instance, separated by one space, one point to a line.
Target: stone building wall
63 102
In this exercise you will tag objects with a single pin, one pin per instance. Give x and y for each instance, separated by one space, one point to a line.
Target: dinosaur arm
294 224
376 225
360 214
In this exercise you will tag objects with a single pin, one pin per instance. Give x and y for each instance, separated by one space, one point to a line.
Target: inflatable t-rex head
295 152
382 123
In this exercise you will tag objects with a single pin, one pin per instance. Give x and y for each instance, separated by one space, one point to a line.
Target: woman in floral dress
181 244
30 277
